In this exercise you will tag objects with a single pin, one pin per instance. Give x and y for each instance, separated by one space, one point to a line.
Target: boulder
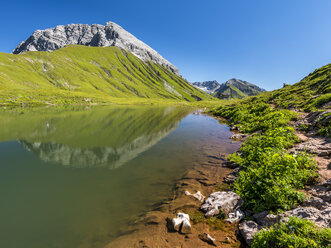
181 223
248 229
265 219
228 201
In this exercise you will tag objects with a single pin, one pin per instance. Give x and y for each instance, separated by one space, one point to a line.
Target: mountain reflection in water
103 137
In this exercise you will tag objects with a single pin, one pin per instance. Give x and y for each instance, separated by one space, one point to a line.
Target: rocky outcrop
207 86
315 145
320 216
227 201
313 121
91 35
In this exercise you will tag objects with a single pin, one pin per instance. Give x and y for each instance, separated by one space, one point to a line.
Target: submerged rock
197 195
228 201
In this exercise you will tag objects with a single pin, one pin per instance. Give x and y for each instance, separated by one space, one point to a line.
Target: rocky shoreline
163 227
204 212
317 205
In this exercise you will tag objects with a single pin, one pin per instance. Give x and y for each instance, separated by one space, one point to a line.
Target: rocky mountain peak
207 86
91 35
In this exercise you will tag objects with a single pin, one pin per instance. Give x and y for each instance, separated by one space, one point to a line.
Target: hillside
312 92
236 88
80 74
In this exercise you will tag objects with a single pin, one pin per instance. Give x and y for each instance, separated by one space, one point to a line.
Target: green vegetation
230 92
270 176
85 75
296 232
310 94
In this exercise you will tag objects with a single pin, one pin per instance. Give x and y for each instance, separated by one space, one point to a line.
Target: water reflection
102 137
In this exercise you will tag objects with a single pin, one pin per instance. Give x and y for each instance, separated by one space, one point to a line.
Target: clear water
78 177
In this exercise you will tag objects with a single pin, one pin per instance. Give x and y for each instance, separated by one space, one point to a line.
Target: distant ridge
92 35
233 88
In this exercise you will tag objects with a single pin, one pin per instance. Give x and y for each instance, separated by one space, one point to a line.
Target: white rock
236 216
176 223
186 227
207 238
228 201
197 195
182 223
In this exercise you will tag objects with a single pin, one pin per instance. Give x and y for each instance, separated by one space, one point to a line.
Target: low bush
270 176
295 233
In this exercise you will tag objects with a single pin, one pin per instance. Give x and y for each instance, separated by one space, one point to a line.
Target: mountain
233 88
91 35
78 74
236 88
207 86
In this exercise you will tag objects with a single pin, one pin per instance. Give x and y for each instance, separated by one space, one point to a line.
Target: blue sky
267 42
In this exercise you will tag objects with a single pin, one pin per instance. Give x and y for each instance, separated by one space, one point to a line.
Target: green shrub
295 233
271 183
270 176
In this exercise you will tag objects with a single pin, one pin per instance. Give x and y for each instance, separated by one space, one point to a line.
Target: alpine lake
78 177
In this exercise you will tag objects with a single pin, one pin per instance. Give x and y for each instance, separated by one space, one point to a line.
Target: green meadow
89 75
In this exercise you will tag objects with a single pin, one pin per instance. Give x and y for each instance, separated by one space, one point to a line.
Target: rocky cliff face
91 35
207 86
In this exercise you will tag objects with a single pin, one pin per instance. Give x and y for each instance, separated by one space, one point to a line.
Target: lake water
78 177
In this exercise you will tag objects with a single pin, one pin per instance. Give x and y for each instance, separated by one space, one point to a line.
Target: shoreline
151 230
206 178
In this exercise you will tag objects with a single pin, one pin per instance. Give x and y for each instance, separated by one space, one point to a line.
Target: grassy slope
311 93
270 175
75 74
